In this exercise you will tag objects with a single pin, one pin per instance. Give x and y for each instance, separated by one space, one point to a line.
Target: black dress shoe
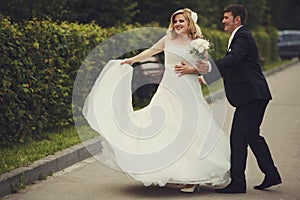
233 188
268 182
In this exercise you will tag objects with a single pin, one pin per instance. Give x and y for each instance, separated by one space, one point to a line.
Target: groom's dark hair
237 10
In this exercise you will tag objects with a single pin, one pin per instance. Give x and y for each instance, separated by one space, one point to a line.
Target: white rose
194 44
201 49
200 43
206 44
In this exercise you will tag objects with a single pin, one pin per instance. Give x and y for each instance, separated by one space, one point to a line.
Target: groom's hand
184 68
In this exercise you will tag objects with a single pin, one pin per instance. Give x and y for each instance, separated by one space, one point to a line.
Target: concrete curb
273 71
14 180
10 182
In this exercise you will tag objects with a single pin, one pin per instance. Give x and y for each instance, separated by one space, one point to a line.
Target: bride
161 143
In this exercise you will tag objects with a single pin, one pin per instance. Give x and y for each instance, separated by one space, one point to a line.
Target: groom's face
229 22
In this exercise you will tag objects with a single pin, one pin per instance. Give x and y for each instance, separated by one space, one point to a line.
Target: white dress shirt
232 35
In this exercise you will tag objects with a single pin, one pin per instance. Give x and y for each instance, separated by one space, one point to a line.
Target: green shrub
219 41
39 63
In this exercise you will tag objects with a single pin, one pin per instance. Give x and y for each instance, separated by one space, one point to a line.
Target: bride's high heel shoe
190 188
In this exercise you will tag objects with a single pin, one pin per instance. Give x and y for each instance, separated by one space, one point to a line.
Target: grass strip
23 155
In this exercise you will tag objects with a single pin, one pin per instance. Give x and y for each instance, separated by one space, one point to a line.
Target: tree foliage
104 12
285 14
282 14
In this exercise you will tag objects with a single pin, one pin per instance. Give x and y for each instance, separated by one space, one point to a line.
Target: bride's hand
201 81
126 61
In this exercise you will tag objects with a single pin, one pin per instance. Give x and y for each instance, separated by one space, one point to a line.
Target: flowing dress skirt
169 140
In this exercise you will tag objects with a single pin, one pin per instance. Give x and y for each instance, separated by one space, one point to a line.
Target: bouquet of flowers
200 48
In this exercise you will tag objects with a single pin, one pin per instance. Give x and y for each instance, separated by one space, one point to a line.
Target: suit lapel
229 48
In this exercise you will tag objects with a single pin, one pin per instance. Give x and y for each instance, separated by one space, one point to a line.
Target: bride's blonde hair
195 31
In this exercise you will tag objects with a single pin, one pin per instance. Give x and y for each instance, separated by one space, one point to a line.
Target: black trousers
245 131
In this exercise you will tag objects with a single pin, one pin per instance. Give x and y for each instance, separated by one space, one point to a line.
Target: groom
247 90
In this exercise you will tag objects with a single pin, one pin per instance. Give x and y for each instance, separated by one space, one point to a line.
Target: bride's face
180 24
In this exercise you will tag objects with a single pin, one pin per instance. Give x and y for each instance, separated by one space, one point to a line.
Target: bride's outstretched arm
155 49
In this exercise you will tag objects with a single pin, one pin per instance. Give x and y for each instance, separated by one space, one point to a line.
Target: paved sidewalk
89 179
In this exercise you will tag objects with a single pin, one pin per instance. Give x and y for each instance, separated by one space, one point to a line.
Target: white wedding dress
162 142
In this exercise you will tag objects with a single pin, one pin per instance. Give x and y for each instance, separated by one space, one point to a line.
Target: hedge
39 63
38 66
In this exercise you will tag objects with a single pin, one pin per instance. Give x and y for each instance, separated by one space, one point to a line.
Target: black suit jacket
241 71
